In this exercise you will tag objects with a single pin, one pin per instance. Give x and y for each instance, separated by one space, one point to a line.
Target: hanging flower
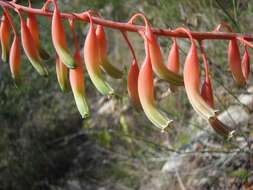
32 25
235 63
132 85
92 62
62 75
59 39
30 49
102 46
76 78
5 36
146 93
14 60
245 64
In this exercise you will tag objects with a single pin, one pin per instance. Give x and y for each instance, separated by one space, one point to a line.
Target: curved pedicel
158 65
15 60
5 30
62 74
59 39
146 92
92 61
76 78
206 89
192 85
30 48
105 63
245 63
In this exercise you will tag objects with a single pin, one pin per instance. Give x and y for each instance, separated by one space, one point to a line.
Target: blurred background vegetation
44 143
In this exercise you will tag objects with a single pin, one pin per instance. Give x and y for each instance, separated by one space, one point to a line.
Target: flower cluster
70 65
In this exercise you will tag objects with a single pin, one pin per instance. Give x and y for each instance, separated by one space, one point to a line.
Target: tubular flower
14 60
5 37
102 46
234 61
207 92
192 84
132 85
146 93
245 64
32 25
62 75
157 61
173 61
59 39
76 78
92 62
30 49
173 58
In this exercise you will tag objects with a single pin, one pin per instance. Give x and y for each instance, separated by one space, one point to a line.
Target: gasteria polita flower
192 85
102 46
173 60
235 63
32 25
157 61
5 36
92 62
207 92
76 77
146 93
245 64
14 60
62 75
132 85
59 39
30 48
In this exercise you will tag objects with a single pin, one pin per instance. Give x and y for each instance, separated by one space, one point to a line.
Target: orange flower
32 25
5 36
15 60
30 49
62 75
234 61
173 61
157 61
245 64
59 39
173 58
102 46
207 92
146 93
192 85
76 77
132 85
92 62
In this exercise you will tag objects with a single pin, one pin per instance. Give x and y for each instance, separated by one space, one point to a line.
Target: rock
234 116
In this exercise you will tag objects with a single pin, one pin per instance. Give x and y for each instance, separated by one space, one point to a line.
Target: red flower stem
204 59
129 44
129 27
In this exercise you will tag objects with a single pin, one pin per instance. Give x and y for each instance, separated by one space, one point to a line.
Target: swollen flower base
140 85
